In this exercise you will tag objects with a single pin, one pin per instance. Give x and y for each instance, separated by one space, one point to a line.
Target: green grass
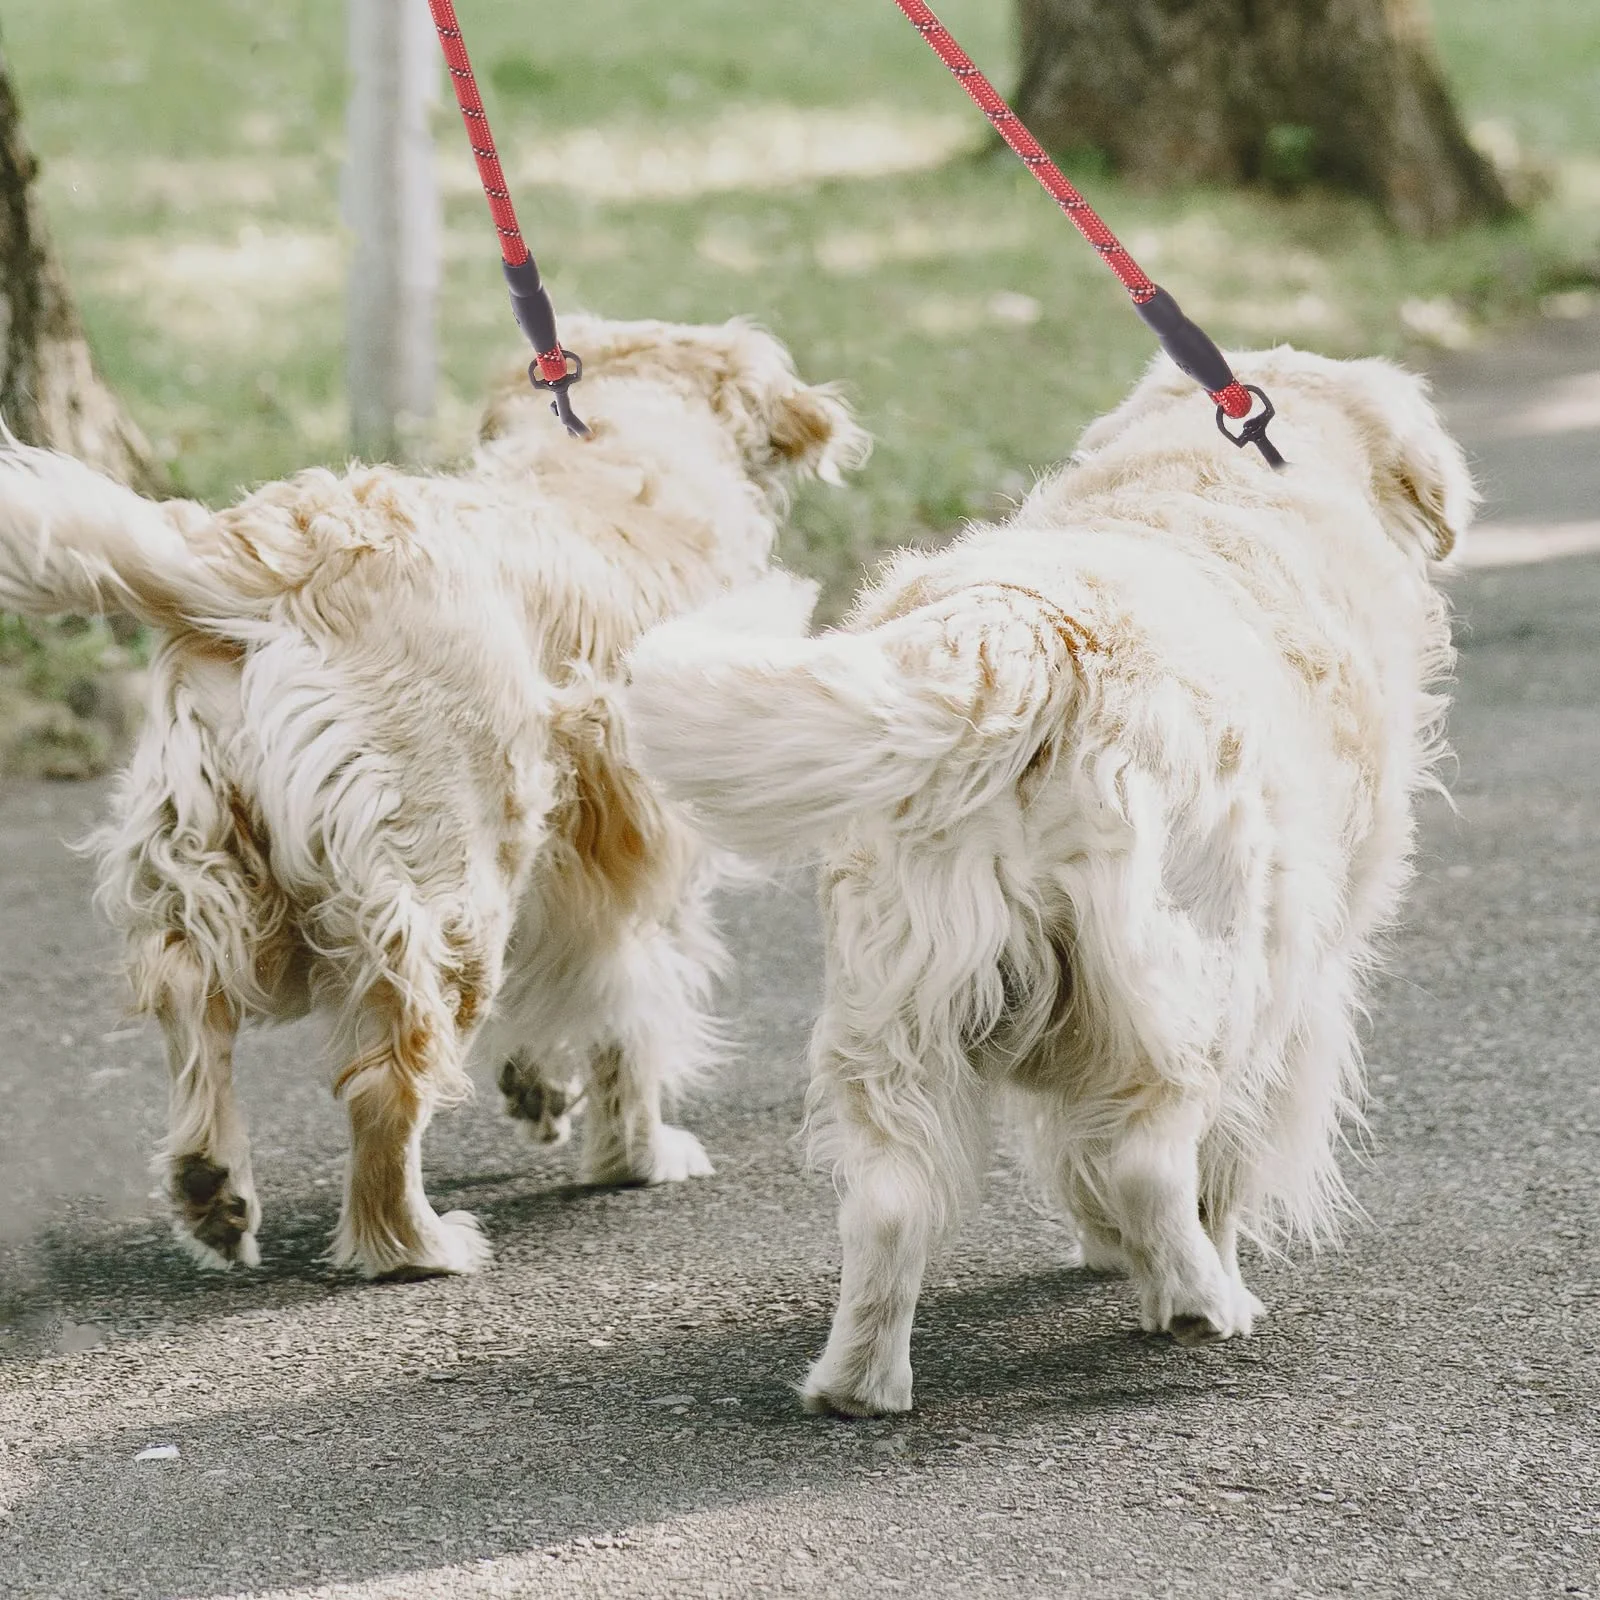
1534 62
191 166
65 700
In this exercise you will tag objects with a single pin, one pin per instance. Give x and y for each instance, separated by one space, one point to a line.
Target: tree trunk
49 392
1346 92
67 693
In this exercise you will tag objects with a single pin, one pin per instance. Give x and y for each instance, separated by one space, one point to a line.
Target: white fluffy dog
381 776
1112 801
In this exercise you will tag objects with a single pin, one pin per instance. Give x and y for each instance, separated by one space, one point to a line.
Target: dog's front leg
648 1034
541 1100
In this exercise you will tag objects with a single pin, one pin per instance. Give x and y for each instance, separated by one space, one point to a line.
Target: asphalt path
607 1411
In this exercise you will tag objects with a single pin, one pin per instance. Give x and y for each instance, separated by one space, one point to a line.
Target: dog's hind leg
404 1041
207 1150
1139 1085
387 1228
655 1036
1142 1187
906 1155
184 876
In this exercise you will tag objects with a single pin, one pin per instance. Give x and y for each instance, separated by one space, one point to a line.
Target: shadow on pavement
510 1455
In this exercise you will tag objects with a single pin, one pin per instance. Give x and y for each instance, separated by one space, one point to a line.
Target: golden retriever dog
1112 800
381 776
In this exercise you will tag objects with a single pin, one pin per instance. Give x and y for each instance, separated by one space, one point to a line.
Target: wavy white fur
1113 801
382 776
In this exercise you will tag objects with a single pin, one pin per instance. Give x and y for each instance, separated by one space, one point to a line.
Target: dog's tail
73 540
778 740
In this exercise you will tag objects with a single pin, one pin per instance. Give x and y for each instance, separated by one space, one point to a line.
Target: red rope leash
557 369
1011 128
1185 342
513 247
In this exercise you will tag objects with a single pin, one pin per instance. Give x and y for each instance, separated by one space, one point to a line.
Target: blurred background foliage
813 166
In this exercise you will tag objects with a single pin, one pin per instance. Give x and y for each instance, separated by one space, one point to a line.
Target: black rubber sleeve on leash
536 316
1186 342
530 301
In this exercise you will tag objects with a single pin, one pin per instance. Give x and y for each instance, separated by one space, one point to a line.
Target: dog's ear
1424 487
784 424
1436 495
812 431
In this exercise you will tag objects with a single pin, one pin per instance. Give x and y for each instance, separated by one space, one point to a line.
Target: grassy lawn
811 165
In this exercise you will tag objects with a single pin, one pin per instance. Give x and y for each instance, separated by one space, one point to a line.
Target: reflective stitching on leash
557 369
1183 340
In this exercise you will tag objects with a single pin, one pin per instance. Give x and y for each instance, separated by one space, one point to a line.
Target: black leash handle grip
1193 352
536 316
1188 344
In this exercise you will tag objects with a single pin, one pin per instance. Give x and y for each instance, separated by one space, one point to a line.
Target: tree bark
49 391
1345 92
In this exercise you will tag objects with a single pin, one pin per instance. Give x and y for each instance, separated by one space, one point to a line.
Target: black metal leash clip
1253 430
560 404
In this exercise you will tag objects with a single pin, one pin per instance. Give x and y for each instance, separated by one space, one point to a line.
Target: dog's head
784 428
1369 416
1418 474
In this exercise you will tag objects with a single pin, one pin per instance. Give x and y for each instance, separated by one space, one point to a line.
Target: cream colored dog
1112 801
381 777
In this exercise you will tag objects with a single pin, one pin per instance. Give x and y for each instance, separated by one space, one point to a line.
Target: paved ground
606 1412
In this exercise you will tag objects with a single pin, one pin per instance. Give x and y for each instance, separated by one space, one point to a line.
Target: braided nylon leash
557 369
1182 339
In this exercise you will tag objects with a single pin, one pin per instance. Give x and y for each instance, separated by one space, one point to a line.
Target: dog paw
451 1245
676 1155
544 1109
1227 1311
216 1222
1246 1309
672 1156
827 1392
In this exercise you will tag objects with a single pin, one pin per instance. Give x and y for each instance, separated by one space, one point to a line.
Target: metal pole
391 205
